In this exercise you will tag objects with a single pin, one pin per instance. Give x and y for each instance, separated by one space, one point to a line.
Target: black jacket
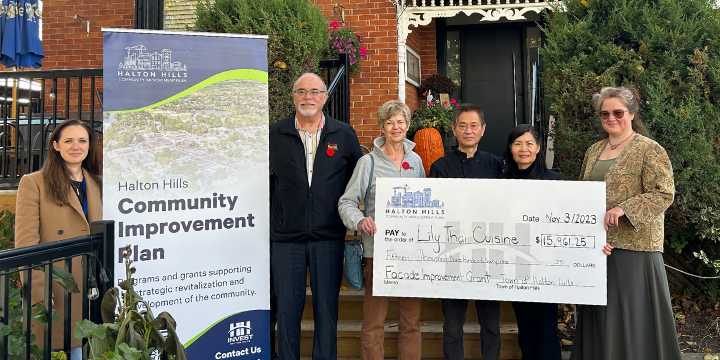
299 212
457 165
543 173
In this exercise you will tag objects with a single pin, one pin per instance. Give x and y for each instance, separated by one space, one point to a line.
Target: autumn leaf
584 2
302 24
280 64
715 313
343 288
590 47
422 323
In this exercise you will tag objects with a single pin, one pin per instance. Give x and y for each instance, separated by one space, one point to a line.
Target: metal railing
32 103
457 3
96 250
336 74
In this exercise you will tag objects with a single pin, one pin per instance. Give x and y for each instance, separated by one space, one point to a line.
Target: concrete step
350 308
349 339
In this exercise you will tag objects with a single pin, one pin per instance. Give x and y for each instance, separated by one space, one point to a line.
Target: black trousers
289 263
273 319
537 330
455 311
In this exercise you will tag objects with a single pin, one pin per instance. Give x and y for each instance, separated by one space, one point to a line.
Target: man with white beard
312 157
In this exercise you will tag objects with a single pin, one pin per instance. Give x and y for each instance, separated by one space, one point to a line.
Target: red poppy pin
405 165
331 149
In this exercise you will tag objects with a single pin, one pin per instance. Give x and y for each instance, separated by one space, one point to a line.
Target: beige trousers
372 333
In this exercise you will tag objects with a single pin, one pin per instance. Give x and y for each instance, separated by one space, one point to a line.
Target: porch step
350 308
350 320
349 339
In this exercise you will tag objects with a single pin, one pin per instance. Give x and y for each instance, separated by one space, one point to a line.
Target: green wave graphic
239 74
208 328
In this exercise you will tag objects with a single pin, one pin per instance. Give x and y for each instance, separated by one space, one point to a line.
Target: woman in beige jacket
637 322
59 202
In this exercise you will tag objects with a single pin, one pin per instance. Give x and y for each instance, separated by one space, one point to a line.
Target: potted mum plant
431 129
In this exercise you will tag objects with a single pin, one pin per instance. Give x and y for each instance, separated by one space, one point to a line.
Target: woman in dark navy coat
537 322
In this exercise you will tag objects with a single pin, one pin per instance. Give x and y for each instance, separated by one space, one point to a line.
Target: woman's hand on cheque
367 225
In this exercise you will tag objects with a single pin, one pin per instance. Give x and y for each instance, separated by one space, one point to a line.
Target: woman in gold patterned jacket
637 322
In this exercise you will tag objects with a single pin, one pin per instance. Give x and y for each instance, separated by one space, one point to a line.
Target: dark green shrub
669 49
7 230
298 38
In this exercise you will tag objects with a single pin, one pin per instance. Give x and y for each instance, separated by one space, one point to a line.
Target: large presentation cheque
515 240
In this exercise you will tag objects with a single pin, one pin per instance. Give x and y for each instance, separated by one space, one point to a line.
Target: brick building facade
68 46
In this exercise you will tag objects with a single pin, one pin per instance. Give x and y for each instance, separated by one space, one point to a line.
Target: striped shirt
310 142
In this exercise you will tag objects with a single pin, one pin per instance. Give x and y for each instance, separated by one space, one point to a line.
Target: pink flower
453 101
359 37
425 93
334 25
445 103
330 37
430 103
363 51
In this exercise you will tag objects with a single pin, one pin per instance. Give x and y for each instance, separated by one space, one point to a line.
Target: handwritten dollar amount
567 241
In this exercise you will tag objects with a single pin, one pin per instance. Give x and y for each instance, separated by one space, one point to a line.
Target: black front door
493 79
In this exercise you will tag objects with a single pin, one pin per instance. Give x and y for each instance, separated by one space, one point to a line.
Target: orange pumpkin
429 145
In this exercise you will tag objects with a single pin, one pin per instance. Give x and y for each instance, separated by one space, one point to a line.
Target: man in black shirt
469 162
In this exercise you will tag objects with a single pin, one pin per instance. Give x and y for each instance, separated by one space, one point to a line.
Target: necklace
76 186
76 177
613 147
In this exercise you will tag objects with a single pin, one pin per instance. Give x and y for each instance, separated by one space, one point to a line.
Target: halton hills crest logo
142 66
404 197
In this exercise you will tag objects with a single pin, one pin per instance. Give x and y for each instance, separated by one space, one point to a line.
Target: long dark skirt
637 322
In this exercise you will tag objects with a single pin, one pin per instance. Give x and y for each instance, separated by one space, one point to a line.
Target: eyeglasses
313 92
463 126
616 114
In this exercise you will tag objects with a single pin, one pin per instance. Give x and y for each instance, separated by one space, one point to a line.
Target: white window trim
407 68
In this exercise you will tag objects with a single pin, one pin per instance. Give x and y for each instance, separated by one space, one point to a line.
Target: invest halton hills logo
403 197
142 66
240 333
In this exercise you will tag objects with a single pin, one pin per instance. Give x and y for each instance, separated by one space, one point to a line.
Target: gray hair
309 74
630 97
392 108
624 94
467 107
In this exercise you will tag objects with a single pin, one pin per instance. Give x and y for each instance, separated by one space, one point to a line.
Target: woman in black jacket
537 322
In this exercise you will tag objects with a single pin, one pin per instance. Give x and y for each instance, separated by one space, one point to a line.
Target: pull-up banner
185 177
